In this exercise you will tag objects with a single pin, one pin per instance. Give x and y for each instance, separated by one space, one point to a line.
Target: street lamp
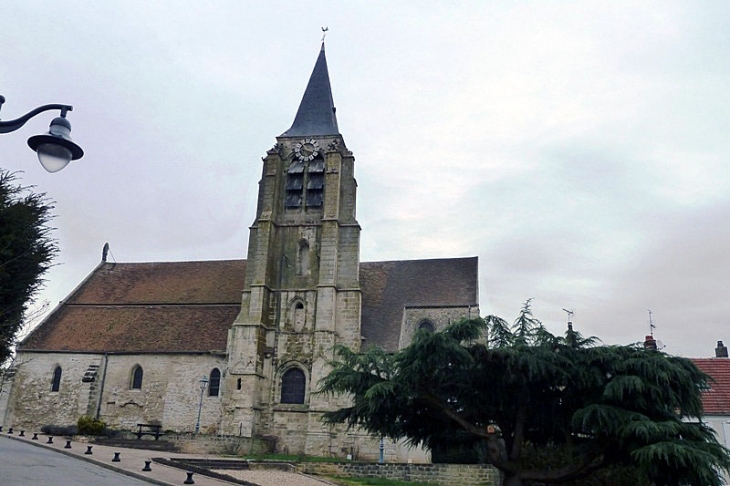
203 384
55 149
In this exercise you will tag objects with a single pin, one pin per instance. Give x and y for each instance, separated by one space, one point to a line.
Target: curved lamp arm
55 149
12 125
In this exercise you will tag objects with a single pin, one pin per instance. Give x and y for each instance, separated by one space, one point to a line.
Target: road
25 464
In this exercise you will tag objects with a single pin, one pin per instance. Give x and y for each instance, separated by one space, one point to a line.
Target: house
716 400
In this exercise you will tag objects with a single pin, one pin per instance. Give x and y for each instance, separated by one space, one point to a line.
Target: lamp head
55 149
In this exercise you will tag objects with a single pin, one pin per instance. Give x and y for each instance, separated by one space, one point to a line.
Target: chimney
720 350
650 343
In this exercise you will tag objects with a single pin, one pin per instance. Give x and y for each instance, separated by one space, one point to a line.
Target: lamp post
55 149
203 384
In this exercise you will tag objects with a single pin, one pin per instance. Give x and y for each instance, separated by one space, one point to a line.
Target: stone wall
220 444
32 403
442 474
169 396
439 317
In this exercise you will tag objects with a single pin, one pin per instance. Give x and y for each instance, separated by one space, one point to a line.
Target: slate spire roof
316 114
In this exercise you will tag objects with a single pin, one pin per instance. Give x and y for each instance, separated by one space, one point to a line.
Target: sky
579 149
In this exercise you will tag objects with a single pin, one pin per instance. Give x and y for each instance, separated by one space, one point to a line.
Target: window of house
56 381
215 382
293 383
137 377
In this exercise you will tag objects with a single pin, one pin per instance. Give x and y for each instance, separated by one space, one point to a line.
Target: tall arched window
214 385
56 381
293 384
137 377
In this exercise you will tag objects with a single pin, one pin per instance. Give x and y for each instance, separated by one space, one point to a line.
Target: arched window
293 384
215 382
56 381
426 325
298 315
239 385
137 377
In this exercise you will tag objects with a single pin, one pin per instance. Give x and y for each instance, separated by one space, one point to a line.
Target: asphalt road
25 464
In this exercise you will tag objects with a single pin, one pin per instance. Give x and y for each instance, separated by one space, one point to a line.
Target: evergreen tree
26 252
540 408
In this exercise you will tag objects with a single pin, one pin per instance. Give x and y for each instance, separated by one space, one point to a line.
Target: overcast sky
580 149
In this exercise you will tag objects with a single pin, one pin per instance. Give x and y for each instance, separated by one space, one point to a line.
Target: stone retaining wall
442 474
220 444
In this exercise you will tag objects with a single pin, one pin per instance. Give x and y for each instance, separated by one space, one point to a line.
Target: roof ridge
425 259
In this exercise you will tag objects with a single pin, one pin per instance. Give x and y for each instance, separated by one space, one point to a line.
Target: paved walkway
132 461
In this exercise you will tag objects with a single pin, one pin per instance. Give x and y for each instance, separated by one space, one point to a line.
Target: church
237 347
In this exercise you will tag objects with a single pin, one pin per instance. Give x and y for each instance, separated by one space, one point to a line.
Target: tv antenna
651 324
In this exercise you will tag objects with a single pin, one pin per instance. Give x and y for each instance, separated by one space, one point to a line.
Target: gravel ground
275 478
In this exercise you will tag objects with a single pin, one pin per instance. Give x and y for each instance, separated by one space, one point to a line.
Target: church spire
316 114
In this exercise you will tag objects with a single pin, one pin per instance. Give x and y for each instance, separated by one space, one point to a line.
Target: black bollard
10 431
22 433
88 450
68 444
189 480
35 436
116 457
50 439
147 466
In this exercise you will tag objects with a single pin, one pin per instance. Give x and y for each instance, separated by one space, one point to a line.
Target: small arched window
298 315
293 384
239 385
215 382
56 381
137 374
426 325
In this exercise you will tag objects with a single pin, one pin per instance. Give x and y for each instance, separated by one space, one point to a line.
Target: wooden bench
148 429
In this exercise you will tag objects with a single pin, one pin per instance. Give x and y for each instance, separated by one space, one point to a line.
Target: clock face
306 149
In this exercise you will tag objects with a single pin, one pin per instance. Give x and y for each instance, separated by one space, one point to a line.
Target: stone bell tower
302 293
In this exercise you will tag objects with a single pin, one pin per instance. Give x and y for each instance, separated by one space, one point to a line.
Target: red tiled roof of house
716 401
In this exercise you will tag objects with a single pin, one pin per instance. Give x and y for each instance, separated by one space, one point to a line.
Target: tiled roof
207 282
189 306
158 328
716 400
145 307
389 286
